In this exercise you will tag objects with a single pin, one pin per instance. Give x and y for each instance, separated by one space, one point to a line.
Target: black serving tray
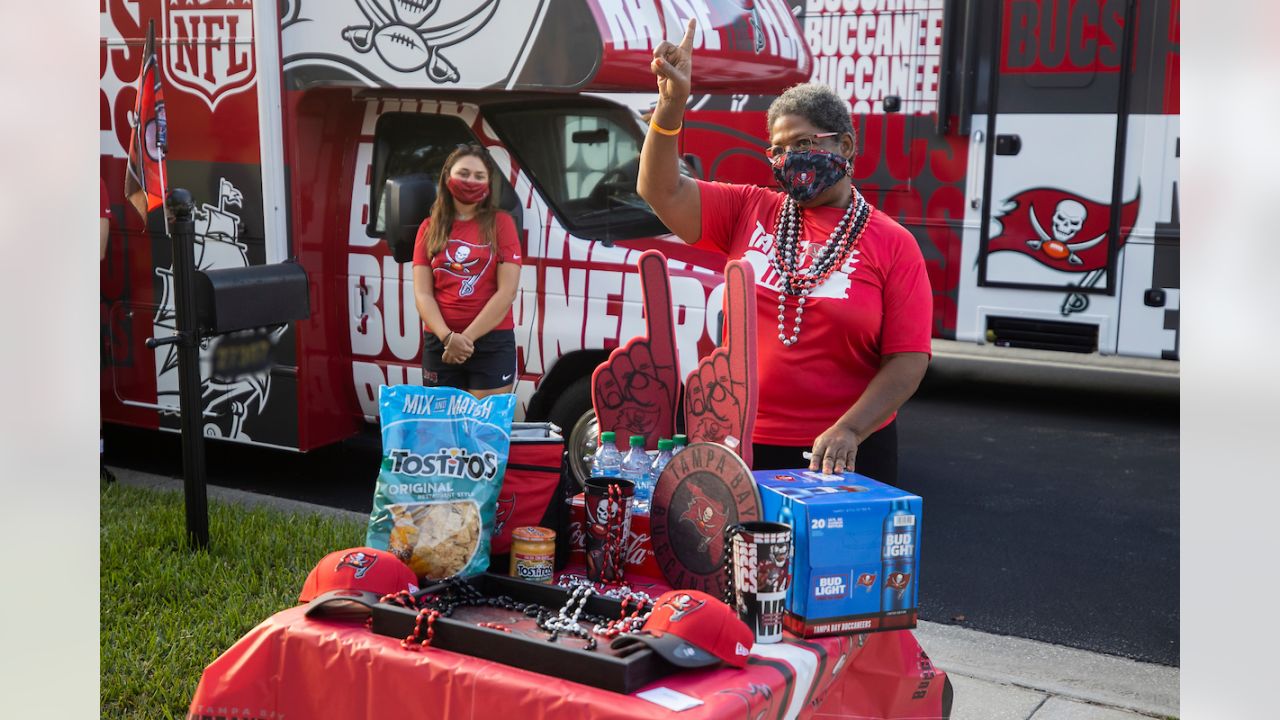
528 648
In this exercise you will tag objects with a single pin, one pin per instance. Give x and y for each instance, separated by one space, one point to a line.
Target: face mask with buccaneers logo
466 191
807 174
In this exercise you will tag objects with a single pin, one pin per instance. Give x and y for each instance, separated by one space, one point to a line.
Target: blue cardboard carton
857 551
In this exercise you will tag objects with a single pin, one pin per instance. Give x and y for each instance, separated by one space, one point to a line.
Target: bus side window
408 143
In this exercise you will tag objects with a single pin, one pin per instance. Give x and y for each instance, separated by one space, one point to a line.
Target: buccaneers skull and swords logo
404 38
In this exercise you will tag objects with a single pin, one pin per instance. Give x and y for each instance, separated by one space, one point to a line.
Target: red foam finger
655 288
739 309
740 346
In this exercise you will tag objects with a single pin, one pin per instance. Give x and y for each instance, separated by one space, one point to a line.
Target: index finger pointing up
739 312
687 43
656 289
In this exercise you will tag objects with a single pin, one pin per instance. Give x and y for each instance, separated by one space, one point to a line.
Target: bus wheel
572 411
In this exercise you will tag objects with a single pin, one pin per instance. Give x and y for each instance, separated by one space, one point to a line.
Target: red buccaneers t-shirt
878 303
465 273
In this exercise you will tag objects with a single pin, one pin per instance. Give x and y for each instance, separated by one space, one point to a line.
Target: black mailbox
409 201
243 298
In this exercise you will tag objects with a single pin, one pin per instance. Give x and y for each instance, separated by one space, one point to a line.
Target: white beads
787 257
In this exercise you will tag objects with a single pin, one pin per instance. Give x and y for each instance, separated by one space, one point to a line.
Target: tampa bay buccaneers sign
1060 229
703 490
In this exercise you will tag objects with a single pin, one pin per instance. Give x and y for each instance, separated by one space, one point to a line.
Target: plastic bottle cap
637 441
665 444
607 436
680 440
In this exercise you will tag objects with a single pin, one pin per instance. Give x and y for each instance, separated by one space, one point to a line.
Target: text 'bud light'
898 558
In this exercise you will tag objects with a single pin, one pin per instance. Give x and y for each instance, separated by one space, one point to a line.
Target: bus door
1050 206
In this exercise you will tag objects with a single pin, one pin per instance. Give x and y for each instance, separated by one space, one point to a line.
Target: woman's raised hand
673 66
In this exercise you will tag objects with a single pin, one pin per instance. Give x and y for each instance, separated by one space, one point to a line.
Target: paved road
1050 514
1051 509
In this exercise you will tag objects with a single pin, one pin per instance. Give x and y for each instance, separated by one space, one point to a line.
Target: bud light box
857 551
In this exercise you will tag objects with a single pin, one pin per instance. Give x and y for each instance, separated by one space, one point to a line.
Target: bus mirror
590 137
892 103
695 165
409 200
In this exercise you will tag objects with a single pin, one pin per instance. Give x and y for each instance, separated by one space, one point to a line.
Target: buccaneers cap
359 575
693 629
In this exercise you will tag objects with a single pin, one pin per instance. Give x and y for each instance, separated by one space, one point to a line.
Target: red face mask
467 192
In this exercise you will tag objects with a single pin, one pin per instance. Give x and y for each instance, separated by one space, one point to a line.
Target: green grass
168 611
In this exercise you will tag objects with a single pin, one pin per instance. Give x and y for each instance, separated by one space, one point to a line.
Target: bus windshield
585 159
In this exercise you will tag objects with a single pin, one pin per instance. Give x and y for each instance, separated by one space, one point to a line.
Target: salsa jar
533 553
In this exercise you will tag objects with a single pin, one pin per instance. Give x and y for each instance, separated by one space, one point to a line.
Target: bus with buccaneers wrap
1030 145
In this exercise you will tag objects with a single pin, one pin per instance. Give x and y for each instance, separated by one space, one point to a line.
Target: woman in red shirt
466 267
843 299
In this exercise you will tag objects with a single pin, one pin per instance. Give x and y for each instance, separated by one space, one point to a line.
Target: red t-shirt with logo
465 273
878 303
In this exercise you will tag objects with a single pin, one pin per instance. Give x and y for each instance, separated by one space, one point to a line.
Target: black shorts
492 364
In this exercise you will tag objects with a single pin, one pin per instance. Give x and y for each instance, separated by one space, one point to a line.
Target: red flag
1061 229
145 180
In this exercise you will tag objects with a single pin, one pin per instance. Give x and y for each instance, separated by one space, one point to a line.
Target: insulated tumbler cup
760 574
607 506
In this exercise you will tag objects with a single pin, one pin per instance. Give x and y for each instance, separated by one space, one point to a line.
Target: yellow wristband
664 131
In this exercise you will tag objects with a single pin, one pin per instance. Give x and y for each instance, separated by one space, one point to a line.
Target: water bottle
678 443
664 456
607 462
635 467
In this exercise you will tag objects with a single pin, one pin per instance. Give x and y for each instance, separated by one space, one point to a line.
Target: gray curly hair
816 103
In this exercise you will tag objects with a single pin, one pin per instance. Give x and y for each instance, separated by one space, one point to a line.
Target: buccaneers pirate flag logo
1060 229
144 180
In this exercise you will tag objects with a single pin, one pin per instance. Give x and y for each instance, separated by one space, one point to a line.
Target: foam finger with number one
721 402
635 391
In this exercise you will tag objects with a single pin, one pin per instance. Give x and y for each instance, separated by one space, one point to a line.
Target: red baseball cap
693 629
361 575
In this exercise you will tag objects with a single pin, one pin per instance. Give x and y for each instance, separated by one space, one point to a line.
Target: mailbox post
182 232
209 304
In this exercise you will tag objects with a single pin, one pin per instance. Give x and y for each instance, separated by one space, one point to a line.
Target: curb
1056 670
961 362
133 478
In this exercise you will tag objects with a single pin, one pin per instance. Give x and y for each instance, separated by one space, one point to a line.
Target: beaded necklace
614 566
797 281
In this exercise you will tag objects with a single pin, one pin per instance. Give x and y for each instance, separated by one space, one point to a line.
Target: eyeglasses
473 147
804 144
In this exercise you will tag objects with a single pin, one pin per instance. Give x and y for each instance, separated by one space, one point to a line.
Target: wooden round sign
703 490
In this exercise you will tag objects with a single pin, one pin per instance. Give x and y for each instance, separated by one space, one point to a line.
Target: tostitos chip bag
444 454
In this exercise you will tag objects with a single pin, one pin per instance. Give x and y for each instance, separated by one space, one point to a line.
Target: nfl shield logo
209 52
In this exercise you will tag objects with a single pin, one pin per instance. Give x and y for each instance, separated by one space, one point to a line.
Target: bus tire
576 417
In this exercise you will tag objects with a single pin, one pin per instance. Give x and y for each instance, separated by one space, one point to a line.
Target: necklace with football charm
787 257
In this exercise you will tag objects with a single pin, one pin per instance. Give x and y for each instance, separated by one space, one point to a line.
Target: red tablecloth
291 668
